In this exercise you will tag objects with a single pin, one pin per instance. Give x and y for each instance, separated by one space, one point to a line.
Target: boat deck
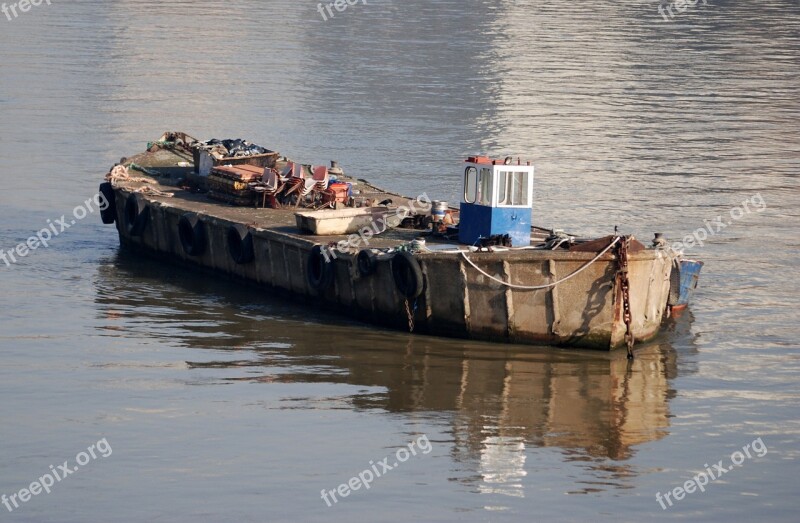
173 179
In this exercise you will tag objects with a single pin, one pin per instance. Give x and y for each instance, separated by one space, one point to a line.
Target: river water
213 401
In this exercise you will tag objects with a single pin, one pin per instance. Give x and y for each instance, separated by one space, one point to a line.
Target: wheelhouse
497 200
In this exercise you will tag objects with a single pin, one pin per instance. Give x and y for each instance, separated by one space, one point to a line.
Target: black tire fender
319 269
407 275
192 233
109 214
137 214
367 262
240 244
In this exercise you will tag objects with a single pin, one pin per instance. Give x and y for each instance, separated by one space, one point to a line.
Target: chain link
410 317
624 282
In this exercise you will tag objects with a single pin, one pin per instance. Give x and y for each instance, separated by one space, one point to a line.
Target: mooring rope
538 287
153 191
120 174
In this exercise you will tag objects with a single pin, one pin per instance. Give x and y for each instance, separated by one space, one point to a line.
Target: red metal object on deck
479 159
242 173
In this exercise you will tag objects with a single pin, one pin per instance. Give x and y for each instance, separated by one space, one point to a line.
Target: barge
480 271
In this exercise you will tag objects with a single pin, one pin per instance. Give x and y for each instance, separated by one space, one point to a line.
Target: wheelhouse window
513 188
485 187
470 184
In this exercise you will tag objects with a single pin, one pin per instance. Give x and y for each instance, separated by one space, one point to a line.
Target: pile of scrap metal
293 184
230 148
241 173
287 184
218 149
233 183
215 153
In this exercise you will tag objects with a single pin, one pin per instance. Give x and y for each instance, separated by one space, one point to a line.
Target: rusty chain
624 282
410 317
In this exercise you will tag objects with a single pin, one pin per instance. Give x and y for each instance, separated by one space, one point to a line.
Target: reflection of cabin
498 198
596 406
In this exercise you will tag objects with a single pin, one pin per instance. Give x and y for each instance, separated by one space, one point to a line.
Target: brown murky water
224 403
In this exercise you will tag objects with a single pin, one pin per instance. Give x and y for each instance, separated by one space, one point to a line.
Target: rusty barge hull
457 300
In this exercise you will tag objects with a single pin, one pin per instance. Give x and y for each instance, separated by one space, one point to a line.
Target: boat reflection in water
499 401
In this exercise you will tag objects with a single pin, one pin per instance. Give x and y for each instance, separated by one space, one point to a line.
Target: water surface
225 403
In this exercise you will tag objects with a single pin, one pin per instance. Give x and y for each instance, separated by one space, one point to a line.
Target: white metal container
345 221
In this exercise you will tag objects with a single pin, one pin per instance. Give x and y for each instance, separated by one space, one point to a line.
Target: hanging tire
137 214
319 269
240 244
367 262
192 233
407 275
109 214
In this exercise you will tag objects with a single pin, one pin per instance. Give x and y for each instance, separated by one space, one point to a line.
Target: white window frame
497 170
495 173
474 193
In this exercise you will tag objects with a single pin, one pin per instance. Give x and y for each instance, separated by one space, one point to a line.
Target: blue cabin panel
480 221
